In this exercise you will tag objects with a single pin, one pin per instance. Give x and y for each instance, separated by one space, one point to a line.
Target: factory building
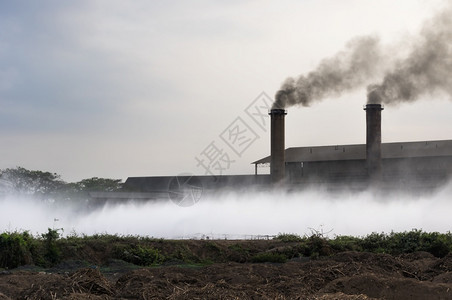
421 164
413 166
427 162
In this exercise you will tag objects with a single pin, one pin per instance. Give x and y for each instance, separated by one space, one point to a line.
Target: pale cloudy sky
118 88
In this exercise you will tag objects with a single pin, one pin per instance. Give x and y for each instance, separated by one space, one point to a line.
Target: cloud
143 77
60 75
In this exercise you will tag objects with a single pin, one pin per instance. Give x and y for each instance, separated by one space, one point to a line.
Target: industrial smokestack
277 164
373 141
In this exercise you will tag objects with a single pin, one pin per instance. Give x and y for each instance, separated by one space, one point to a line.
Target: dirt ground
347 275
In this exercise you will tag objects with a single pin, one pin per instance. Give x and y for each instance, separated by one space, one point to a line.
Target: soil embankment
344 275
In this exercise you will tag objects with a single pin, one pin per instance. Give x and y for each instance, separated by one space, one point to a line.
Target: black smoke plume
351 68
426 69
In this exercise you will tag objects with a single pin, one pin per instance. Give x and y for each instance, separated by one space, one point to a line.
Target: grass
50 249
269 257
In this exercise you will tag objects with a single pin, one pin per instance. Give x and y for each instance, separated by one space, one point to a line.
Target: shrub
238 248
411 241
404 242
345 243
15 249
436 243
375 242
316 245
138 255
212 246
52 252
288 237
269 257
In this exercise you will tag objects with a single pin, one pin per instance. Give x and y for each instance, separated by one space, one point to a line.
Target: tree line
47 185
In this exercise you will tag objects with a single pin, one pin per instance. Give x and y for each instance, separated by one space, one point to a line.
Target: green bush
288 237
269 257
139 255
404 242
238 248
212 246
375 242
436 243
52 252
15 249
316 245
20 248
345 243
408 242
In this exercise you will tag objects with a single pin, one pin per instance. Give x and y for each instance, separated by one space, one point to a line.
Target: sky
116 88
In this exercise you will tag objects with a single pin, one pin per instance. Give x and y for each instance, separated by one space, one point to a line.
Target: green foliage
416 240
346 243
238 253
238 248
98 184
269 257
36 183
375 242
316 245
21 248
288 237
404 242
394 243
49 186
52 252
139 255
15 249
212 246
436 243
182 253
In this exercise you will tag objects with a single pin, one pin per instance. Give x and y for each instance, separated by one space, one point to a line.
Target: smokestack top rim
373 107
277 111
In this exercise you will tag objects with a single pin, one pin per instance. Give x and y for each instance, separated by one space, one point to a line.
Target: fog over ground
241 215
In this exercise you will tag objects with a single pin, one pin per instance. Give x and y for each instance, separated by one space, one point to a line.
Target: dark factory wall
327 170
419 170
421 167
393 169
162 183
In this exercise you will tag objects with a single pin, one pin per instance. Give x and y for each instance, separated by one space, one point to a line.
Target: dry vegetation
409 265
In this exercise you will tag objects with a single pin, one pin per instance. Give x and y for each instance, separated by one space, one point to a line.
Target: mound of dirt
348 275
386 287
3 297
64 286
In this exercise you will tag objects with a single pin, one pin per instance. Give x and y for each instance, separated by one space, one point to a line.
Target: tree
99 185
35 183
49 186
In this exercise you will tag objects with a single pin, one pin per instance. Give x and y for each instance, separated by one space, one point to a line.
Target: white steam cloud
241 215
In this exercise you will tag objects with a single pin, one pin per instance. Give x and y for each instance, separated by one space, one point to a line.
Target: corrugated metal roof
353 152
